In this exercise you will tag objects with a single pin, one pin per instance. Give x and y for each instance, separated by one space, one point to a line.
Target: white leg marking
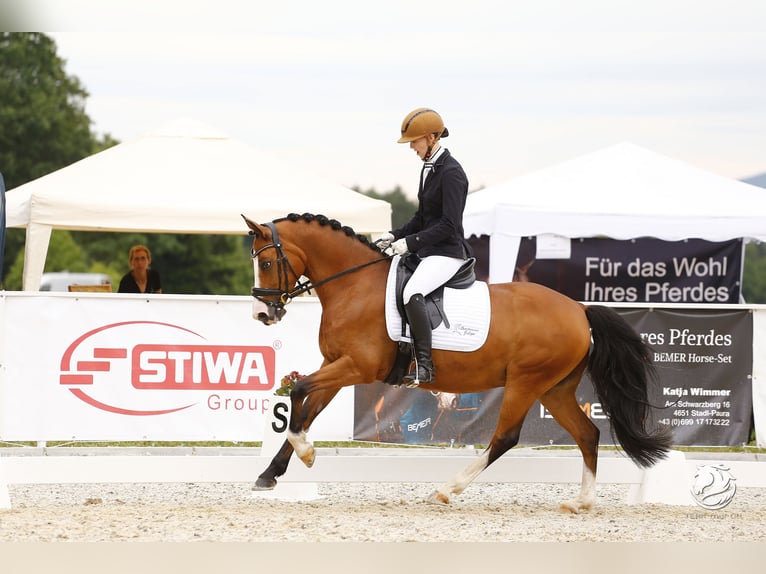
461 481
304 450
587 498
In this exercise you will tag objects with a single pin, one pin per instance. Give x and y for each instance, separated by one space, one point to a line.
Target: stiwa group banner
703 393
103 366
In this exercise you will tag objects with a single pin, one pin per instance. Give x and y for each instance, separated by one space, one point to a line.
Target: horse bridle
278 298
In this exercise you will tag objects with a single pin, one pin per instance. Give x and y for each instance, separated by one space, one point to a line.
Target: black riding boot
420 329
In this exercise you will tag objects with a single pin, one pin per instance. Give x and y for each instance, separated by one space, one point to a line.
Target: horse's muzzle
267 314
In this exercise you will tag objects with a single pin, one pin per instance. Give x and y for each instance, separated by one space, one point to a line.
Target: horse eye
266 265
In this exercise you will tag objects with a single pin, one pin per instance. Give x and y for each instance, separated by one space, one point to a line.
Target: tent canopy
183 177
623 191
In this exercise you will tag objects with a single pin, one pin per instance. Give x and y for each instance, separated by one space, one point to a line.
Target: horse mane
333 224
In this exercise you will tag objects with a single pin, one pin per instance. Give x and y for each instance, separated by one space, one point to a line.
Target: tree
42 110
43 119
754 273
402 208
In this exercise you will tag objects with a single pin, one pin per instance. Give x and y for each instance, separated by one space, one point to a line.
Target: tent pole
35 252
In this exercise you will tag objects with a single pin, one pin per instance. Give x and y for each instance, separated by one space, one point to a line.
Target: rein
283 266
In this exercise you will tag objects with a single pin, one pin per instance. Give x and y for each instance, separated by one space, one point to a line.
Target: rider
435 232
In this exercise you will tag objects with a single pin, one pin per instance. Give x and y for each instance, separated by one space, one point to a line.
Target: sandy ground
356 512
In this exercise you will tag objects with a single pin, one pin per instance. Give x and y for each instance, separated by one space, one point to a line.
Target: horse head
299 253
279 268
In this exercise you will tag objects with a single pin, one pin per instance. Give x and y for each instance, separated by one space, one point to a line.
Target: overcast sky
521 84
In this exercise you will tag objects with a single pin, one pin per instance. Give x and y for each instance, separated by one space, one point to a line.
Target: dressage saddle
462 279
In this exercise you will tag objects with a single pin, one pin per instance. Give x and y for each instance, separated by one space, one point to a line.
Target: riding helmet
420 122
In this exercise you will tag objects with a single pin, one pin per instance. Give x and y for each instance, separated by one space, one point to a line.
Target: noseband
278 298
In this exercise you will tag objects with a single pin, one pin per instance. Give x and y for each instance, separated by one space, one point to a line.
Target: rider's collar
434 154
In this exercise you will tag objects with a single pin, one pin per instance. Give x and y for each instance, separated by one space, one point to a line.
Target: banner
704 364
110 367
383 413
643 270
704 393
161 367
759 376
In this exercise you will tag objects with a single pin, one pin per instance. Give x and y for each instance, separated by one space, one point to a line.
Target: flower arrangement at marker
288 383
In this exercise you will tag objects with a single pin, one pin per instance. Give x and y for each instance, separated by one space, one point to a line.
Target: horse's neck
334 262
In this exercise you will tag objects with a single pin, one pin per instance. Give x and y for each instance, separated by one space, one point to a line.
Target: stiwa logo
138 368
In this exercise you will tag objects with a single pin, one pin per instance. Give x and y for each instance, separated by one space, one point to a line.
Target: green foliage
402 208
64 254
204 264
12 271
44 124
188 264
754 273
42 110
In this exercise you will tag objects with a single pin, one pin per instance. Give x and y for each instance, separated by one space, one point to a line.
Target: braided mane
333 223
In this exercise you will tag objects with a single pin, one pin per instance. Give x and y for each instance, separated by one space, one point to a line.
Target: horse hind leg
513 409
562 404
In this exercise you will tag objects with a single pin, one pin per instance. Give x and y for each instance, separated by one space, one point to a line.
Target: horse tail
621 369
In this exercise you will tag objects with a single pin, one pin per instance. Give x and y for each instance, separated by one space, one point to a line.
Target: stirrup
412 379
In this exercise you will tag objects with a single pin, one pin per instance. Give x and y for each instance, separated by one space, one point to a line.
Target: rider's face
421 145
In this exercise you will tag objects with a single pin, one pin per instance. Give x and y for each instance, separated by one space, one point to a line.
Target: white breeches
433 271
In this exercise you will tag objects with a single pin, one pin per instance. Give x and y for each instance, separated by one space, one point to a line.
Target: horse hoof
438 498
264 484
574 507
568 506
308 456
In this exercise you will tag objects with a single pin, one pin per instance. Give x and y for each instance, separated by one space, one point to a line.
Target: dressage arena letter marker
275 429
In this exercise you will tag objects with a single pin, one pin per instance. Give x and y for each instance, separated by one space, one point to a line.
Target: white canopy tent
622 192
183 177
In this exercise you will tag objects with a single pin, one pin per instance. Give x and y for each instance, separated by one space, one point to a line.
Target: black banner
644 270
704 365
704 393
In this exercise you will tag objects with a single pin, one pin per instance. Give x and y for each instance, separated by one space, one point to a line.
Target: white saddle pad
467 311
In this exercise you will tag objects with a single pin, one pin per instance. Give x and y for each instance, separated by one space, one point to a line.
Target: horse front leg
278 466
311 395
314 403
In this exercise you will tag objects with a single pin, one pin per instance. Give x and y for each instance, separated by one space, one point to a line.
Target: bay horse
538 347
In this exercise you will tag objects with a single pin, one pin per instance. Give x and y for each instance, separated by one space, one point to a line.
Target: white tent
622 192
184 177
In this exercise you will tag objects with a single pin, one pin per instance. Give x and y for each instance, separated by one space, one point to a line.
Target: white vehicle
60 281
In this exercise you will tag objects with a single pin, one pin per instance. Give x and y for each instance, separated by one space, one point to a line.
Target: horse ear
255 229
